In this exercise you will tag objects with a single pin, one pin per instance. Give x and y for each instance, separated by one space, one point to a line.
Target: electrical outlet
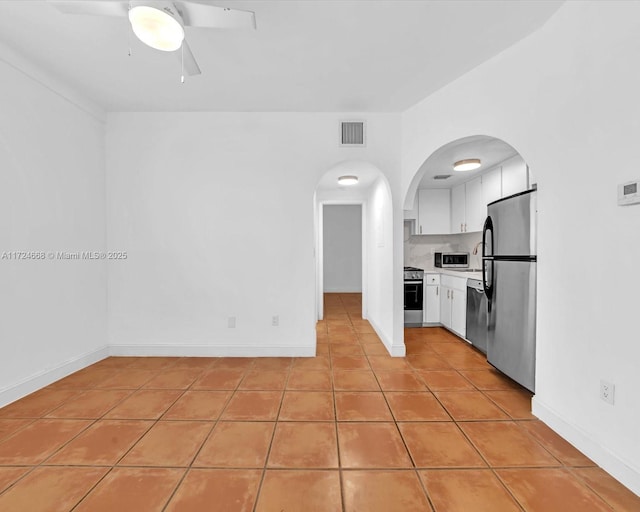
607 391
275 321
231 322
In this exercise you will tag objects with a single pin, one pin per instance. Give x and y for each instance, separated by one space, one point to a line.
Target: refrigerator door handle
487 261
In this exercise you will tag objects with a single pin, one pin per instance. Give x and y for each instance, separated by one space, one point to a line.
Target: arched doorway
373 195
481 222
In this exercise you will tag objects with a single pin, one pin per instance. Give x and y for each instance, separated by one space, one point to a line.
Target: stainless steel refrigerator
509 280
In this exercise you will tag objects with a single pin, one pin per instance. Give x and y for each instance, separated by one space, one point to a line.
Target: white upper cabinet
476 209
463 209
458 209
514 176
413 213
434 206
492 186
467 209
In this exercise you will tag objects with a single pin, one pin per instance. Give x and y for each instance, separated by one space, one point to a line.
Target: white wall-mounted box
629 193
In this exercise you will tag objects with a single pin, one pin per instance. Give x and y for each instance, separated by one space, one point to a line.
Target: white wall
381 267
342 226
52 198
566 99
216 212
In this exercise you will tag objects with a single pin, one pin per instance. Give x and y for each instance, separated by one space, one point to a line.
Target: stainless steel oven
413 296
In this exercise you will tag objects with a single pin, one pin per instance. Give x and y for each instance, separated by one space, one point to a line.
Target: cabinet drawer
458 283
431 279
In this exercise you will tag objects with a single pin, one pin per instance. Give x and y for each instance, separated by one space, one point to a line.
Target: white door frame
320 253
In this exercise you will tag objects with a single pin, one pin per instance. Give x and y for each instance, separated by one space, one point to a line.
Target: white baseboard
612 463
44 378
394 350
211 350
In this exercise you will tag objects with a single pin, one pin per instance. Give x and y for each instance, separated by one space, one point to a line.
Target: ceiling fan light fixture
469 164
348 180
156 28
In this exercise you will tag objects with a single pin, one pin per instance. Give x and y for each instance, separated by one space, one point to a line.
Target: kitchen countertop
455 273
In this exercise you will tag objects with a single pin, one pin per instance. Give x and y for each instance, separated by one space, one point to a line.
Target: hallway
351 429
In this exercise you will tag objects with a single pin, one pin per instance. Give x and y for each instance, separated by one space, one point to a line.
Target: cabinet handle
461 230
420 228
437 290
465 227
448 293
451 294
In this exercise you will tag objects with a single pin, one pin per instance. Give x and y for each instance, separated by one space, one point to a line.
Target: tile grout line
335 416
92 423
273 434
519 422
586 484
42 463
206 438
489 466
153 422
406 447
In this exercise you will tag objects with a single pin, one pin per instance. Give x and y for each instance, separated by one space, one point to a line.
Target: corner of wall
614 464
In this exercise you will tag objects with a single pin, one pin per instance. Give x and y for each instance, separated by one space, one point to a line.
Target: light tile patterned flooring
349 430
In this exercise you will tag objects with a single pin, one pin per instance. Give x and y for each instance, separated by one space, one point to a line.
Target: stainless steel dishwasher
477 315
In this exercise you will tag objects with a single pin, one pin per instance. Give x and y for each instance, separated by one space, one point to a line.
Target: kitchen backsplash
419 249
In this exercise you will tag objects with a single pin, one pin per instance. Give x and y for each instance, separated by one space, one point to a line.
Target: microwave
451 259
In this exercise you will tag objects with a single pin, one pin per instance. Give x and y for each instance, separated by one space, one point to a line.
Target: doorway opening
342 248
341 251
371 196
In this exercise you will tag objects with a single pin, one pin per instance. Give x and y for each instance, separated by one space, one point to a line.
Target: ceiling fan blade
93 7
190 65
196 14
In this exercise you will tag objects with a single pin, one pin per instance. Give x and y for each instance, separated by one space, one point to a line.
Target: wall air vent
352 133
442 176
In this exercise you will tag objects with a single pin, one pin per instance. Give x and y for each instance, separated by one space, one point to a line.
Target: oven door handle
413 282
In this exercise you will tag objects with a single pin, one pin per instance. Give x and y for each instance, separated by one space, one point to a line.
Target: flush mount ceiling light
466 165
156 28
348 180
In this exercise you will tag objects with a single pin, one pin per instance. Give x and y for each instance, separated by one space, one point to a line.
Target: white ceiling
489 150
307 55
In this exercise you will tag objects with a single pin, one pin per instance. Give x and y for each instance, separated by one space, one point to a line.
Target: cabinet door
445 306
413 213
475 210
433 211
491 186
514 176
432 304
459 312
458 198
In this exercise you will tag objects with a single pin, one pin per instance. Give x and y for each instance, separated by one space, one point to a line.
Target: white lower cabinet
432 298
445 307
459 312
453 304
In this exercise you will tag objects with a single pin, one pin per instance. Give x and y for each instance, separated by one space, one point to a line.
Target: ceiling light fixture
156 28
466 165
348 180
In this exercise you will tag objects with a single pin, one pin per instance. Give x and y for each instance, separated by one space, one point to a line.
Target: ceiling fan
160 24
